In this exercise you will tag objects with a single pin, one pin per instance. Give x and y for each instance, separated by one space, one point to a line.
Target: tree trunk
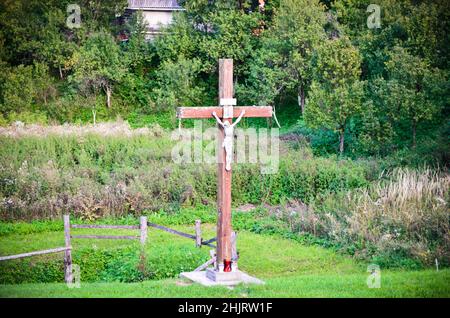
414 128
108 96
301 98
341 141
60 72
94 115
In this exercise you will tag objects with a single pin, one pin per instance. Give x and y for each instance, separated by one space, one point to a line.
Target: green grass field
290 269
393 284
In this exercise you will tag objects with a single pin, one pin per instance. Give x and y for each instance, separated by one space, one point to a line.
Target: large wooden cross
226 112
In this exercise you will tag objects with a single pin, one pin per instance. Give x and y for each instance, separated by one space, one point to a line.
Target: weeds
93 176
401 221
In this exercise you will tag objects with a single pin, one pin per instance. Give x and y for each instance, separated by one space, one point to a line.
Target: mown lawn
289 268
393 284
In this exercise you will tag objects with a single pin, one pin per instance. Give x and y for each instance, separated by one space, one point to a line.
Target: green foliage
3 121
98 65
231 37
37 226
408 93
25 89
168 261
114 176
374 224
336 90
427 28
125 265
177 85
73 75
18 89
28 117
282 64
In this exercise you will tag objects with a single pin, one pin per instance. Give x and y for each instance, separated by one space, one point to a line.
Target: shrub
28 117
125 264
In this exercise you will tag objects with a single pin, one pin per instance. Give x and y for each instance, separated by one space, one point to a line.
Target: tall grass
403 219
93 176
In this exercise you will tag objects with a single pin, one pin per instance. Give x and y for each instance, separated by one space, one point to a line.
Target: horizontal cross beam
206 112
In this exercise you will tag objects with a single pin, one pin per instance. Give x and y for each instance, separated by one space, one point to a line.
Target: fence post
198 233
143 227
234 253
68 252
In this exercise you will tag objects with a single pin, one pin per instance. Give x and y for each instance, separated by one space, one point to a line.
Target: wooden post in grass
198 233
143 228
68 253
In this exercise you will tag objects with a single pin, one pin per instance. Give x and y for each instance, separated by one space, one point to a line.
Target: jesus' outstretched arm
218 119
239 118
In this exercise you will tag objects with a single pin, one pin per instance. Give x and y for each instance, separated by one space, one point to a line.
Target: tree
98 65
177 84
55 47
428 27
137 50
412 83
230 35
23 86
18 89
218 32
284 58
336 90
178 39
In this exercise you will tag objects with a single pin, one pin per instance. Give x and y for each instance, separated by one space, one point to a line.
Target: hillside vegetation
358 90
87 117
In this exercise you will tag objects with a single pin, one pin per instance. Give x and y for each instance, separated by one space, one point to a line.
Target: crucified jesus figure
228 138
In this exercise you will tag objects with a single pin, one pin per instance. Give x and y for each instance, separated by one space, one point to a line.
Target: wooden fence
197 237
67 237
142 227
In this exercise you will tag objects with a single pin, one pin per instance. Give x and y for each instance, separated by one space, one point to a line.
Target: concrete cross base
213 278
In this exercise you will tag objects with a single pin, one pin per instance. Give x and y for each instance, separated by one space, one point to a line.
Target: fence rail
34 253
107 237
186 235
143 227
102 226
67 237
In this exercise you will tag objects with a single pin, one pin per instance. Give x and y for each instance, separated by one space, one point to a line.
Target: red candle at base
226 266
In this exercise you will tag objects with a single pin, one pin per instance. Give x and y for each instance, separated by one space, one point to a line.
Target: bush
3 121
28 117
125 264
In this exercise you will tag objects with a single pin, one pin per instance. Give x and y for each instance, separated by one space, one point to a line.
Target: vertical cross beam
224 176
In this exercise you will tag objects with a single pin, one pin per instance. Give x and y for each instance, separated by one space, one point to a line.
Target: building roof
165 5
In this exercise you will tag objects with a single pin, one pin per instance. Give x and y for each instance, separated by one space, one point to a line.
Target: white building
156 13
